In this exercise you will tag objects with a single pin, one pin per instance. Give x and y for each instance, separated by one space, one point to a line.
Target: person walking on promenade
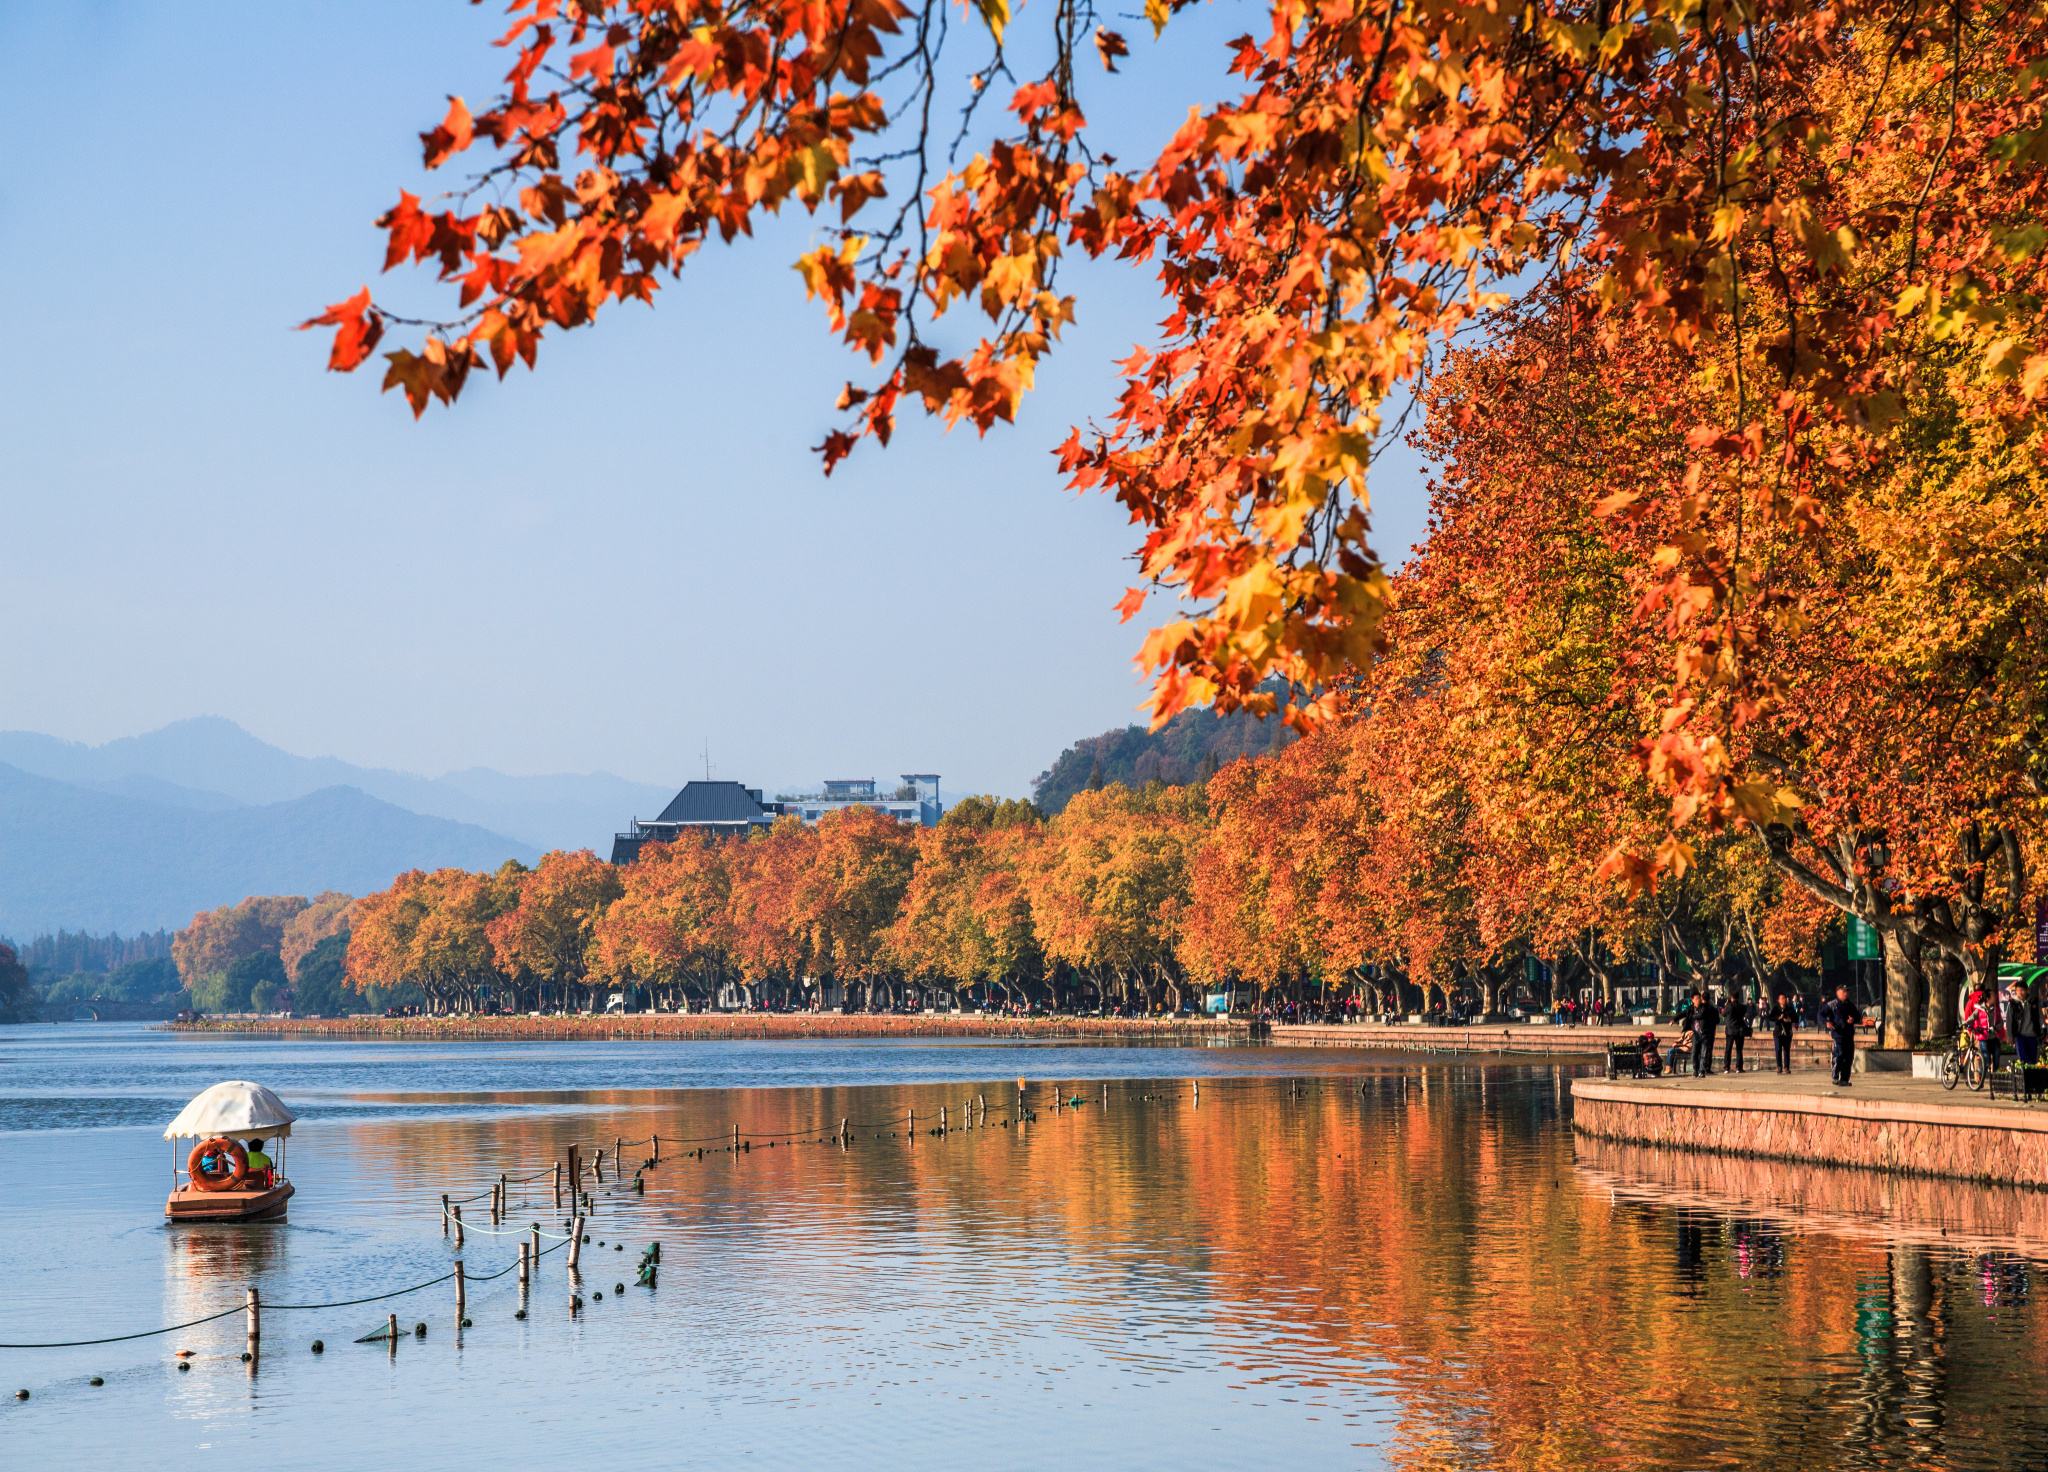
1784 1020
1841 1017
2023 1020
1738 1028
1705 1018
1982 1022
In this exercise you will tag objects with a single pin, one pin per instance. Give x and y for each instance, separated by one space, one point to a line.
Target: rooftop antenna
707 760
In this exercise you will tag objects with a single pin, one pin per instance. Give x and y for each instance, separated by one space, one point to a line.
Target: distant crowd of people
1731 1019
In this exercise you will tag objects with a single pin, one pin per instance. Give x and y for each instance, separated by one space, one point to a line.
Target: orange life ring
219 1145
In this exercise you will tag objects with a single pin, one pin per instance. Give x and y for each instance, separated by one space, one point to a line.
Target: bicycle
1964 1064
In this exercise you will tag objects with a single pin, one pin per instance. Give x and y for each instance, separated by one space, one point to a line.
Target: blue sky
604 565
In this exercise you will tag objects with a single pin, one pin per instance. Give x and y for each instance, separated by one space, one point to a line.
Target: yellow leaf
1158 12
997 14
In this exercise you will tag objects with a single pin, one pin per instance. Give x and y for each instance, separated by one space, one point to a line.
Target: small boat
228 1175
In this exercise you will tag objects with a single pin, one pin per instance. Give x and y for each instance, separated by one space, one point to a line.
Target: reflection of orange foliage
1409 1245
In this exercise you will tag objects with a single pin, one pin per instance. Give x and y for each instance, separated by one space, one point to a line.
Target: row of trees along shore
1727 329
1479 792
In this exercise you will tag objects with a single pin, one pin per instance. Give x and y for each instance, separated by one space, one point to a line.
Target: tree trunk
1902 986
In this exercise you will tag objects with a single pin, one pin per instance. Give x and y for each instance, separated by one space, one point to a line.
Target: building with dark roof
722 807
727 807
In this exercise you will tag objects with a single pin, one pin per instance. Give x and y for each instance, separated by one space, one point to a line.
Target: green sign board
1863 944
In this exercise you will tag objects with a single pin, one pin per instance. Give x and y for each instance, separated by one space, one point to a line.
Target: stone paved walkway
1815 1083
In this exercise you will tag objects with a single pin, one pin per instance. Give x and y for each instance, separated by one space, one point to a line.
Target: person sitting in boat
259 1166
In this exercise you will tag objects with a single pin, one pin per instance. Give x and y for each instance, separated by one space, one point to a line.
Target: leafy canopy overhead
1809 198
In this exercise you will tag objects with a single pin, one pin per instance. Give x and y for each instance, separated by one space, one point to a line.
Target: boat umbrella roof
236 1107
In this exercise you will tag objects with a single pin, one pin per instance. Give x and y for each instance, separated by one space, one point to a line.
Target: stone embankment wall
2005 1145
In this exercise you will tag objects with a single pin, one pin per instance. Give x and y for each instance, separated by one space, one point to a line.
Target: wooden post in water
391 1333
735 1139
504 1196
525 1268
618 1157
842 1131
597 1169
575 1171
444 1213
536 1248
909 1121
253 1308
575 1243
461 1295
982 1100
942 1119
558 1185
458 1225
656 1142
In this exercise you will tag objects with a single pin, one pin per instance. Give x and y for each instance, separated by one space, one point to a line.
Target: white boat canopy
233 1108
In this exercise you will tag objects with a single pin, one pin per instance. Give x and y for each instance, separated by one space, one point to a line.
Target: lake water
1328 1260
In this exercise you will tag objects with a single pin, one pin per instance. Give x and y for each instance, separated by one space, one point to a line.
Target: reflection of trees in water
1939 1365
1404 1236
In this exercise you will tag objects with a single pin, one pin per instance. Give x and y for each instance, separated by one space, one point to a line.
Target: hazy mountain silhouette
201 762
82 858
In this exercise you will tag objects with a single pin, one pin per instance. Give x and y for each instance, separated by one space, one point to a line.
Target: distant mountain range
145 831
211 764
79 859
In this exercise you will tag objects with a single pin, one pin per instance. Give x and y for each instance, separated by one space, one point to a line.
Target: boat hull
267 1205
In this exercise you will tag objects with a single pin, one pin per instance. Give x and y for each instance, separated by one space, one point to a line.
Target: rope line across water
119 1338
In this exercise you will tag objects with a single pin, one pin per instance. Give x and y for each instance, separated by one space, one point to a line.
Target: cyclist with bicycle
1982 1022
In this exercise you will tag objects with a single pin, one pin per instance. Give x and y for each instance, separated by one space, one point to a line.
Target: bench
1625 1060
2024 1082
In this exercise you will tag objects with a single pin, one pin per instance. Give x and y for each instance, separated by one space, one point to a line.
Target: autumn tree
208 950
1885 766
432 929
542 932
860 863
1109 894
671 927
773 937
965 916
1804 199
325 916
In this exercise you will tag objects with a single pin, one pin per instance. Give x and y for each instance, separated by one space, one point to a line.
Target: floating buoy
184 1364
519 1313
598 1297
246 1356
419 1331
21 1395
96 1380
319 1346
618 1288
468 1323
